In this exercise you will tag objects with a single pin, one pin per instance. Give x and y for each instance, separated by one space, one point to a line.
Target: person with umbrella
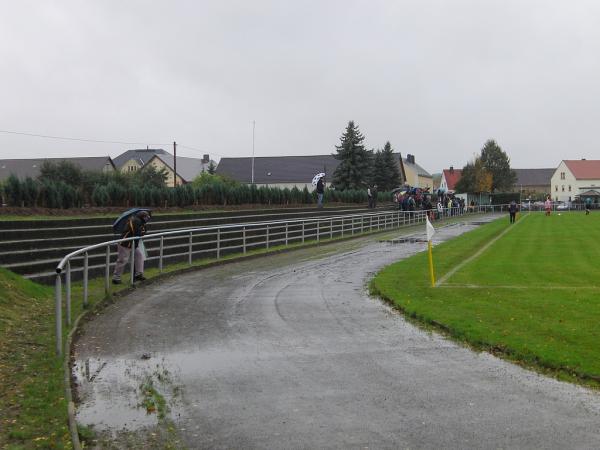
134 225
319 181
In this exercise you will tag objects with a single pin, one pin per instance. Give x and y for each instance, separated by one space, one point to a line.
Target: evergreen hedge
109 192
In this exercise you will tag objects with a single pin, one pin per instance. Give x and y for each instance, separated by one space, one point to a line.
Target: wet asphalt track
289 351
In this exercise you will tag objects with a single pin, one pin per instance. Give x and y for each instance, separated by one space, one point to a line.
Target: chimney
451 169
410 158
205 159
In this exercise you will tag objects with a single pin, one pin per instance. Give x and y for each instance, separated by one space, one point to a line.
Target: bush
12 189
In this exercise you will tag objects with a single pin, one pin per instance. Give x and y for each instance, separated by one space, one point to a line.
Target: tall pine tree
386 173
353 172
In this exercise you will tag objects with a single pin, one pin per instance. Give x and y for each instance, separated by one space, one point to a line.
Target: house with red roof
449 179
576 179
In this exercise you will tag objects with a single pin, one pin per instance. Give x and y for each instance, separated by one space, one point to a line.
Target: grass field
532 296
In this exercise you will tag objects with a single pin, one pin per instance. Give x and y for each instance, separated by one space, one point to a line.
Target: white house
576 178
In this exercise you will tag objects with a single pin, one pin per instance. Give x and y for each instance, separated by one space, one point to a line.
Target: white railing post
343 223
244 239
286 234
318 231
330 228
68 292
303 231
132 274
160 254
107 271
218 243
85 278
267 238
190 249
58 314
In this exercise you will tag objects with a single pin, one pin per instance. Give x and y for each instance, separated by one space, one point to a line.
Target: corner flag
430 232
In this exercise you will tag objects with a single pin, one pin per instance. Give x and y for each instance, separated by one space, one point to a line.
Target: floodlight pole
253 128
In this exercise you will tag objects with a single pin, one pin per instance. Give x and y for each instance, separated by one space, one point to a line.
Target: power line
201 151
102 141
65 138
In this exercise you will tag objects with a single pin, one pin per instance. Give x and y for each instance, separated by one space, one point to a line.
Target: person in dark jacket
512 211
135 227
320 192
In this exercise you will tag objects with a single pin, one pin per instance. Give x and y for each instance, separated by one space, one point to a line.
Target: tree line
64 185
360 167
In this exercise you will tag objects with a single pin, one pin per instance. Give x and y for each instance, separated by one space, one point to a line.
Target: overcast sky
436 78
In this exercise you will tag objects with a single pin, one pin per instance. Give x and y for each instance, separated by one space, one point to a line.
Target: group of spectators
447 205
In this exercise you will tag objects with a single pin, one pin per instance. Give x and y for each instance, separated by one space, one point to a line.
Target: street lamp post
253 128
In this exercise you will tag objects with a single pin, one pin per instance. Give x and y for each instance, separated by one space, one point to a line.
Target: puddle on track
111 392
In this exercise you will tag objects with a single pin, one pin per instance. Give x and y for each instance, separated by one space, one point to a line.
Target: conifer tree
386 173
353 171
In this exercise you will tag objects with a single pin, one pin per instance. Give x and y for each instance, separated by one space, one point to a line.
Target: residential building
576 179
23 168
279 171
132 160
450 177
298 171
533 181
187 168
415 175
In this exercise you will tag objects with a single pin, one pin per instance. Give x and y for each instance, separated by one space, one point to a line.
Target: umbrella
119 224
393 191
317 177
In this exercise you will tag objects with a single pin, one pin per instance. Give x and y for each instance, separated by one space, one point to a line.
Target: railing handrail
150 236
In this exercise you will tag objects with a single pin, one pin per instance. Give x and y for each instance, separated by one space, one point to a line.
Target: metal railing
217 241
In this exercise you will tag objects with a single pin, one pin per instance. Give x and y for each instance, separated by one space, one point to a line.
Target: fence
219 240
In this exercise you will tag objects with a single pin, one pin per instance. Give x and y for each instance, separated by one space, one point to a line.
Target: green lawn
33 410
532 296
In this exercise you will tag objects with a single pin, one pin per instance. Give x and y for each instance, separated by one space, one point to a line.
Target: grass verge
33 410
532 296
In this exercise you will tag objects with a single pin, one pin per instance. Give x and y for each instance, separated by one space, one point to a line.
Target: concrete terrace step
33 248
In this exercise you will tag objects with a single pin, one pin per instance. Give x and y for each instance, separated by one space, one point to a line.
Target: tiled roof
417 168
187 168
288 169
533 177
278 169
584 169
140 155
23 168
452 177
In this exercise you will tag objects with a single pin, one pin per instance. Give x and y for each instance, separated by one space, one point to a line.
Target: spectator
320 191
135 227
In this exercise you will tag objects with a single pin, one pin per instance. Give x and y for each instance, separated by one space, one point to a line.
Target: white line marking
452 271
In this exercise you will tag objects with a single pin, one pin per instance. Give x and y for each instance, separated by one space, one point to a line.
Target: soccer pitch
528 291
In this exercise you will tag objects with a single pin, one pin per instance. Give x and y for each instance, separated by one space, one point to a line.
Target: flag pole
431 263
430 232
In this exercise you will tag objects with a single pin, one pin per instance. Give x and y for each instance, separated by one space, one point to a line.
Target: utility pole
174 164
253 128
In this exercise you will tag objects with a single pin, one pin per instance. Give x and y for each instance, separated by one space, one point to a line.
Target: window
562 175
563 188
569 188
556 188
